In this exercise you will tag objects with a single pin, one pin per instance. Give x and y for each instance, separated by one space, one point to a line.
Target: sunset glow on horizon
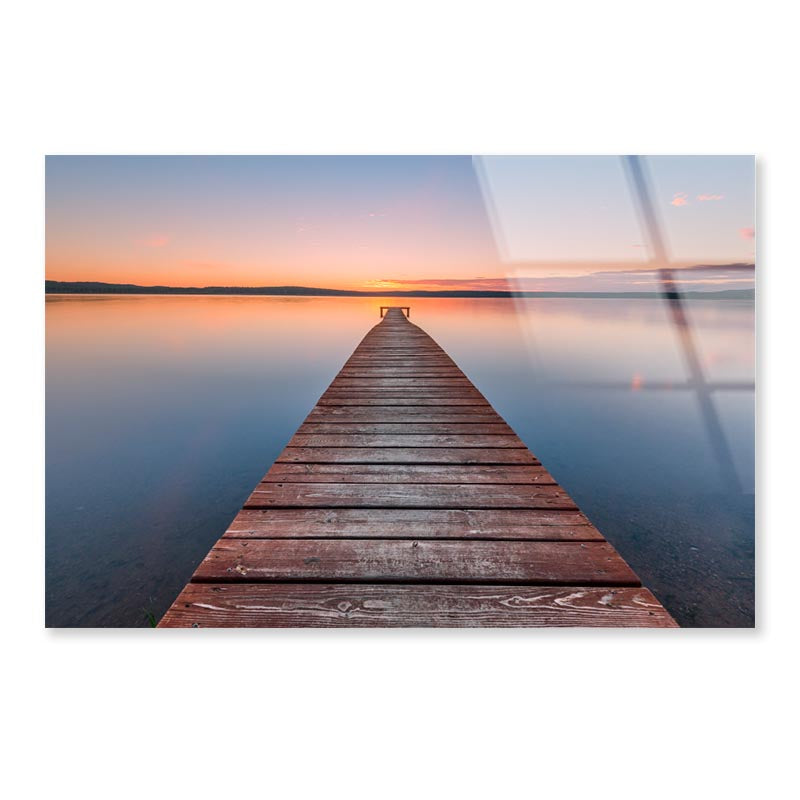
392 223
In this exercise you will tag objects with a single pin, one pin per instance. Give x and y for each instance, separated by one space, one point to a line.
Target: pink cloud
711 276
721 280
159 240
704 197
679 199
747 233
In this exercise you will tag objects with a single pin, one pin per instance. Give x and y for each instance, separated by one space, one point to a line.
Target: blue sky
390 221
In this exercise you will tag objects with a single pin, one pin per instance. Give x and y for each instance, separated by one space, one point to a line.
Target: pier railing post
407 309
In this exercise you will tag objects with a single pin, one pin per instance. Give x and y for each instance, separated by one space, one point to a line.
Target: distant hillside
95 287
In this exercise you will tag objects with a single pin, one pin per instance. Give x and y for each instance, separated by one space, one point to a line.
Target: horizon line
102 287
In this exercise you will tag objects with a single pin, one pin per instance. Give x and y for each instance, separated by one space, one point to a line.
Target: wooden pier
404 499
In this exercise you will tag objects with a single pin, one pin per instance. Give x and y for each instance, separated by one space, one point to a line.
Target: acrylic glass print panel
400 391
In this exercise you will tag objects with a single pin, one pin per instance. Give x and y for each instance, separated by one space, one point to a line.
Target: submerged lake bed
164 411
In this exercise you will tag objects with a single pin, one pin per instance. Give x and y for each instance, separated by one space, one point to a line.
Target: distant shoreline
93 287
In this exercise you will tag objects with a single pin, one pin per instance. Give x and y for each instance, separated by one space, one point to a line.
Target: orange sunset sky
393 222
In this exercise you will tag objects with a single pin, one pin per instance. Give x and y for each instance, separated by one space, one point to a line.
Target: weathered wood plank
397 347
406 440
404 428
406 561
409 414
410 394
391 366
411 495
373 368
379 384
405 523
407 455
406 473
400 368
438 402
387 354
264 605
408 372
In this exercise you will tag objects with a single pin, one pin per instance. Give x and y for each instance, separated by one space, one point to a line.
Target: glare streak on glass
520 192
672 296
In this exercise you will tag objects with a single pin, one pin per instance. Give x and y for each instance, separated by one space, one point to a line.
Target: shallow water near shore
164 411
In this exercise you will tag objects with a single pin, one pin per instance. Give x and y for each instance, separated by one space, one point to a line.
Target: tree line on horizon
98 287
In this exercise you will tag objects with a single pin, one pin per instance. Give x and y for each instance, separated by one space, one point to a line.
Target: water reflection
670 290
163 412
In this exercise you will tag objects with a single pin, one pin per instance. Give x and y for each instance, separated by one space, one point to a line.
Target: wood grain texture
408 393
397 366
254 605
439 561
438 401
406 440
410 414
416 370
406 473
402 385
404 499
408 495
406 455
404 523
405 428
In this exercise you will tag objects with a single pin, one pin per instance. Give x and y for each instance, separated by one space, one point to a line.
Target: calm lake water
163 413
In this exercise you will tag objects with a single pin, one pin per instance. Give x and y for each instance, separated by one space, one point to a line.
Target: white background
566 714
